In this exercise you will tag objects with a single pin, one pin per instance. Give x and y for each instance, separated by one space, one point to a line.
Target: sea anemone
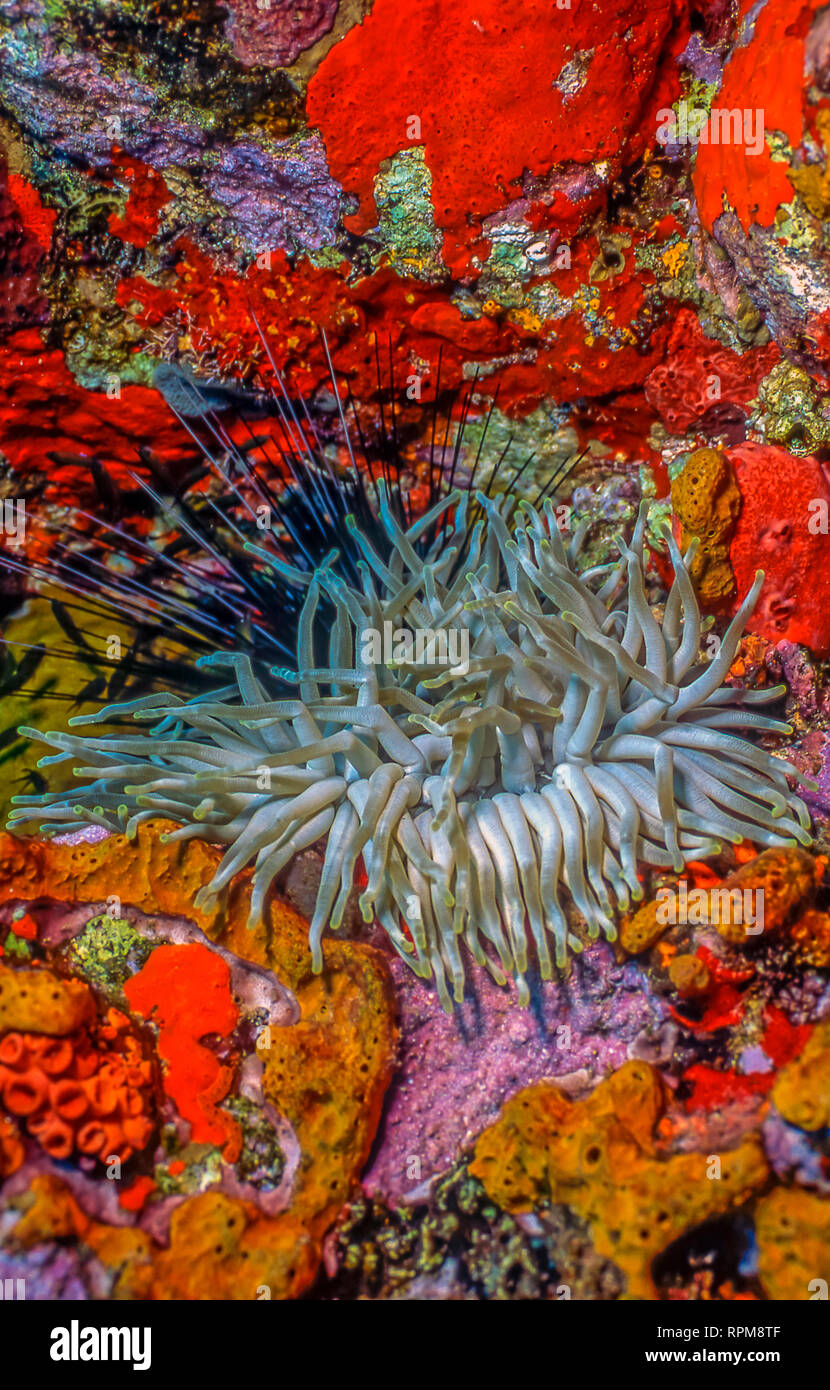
579 736
162 555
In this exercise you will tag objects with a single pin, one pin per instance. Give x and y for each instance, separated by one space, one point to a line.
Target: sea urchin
581 736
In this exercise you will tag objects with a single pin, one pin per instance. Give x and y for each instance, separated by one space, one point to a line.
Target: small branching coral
581 736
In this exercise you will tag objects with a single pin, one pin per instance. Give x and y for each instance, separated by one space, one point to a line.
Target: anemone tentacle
579 737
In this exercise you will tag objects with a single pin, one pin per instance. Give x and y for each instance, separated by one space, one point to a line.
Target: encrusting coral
706 502
783 879
793 1233
577 736
185 989
599 1156
802 1090
219 1247
39 1001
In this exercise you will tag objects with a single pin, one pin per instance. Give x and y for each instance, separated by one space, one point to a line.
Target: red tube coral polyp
80 1095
